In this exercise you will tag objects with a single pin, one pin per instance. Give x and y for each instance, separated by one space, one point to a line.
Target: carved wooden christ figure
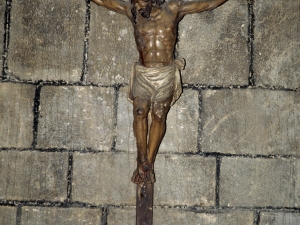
155 80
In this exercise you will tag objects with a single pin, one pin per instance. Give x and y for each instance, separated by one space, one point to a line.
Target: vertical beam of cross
144 204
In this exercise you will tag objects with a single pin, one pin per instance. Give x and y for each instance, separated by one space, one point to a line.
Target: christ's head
144 7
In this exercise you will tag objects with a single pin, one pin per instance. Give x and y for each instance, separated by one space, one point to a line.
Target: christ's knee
160 111
141 112
159 115
140 109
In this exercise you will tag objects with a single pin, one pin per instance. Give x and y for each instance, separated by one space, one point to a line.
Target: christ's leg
140 128
158 128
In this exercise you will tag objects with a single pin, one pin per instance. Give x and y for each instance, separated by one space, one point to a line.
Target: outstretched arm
114 5
198 6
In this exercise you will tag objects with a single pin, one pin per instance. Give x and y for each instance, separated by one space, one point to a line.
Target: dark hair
152 2
145 12
156 2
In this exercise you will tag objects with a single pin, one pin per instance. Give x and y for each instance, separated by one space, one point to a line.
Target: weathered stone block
33 175
214 45
125 137
120 216
60 216
276 43
2 19
184 180
178 217
112 48
8 215
93 172
103 178
16 117
182 124
259 182
251 122
76 117
51 47
279 218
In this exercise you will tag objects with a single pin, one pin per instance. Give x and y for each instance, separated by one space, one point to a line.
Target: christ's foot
144 173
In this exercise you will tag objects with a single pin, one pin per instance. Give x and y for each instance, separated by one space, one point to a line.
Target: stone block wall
231 154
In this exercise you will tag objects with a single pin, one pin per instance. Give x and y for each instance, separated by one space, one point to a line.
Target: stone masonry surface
110 68
276 43
91 170
278 218
35 175
60 216
8 215
261 182
165 216
120 216
177 217
103 179
252 121
76 117
214 45
2 14
16 117
52 39
198 174
231 151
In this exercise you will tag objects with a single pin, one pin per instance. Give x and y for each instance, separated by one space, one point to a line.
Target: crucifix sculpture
155 82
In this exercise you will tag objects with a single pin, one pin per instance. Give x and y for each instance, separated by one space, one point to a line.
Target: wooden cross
144 203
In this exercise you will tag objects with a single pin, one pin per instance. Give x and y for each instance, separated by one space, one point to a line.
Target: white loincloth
156 84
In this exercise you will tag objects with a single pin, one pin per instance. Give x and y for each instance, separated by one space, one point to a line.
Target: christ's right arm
197 6
114 5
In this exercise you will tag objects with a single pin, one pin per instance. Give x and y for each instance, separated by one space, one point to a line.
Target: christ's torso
156 37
